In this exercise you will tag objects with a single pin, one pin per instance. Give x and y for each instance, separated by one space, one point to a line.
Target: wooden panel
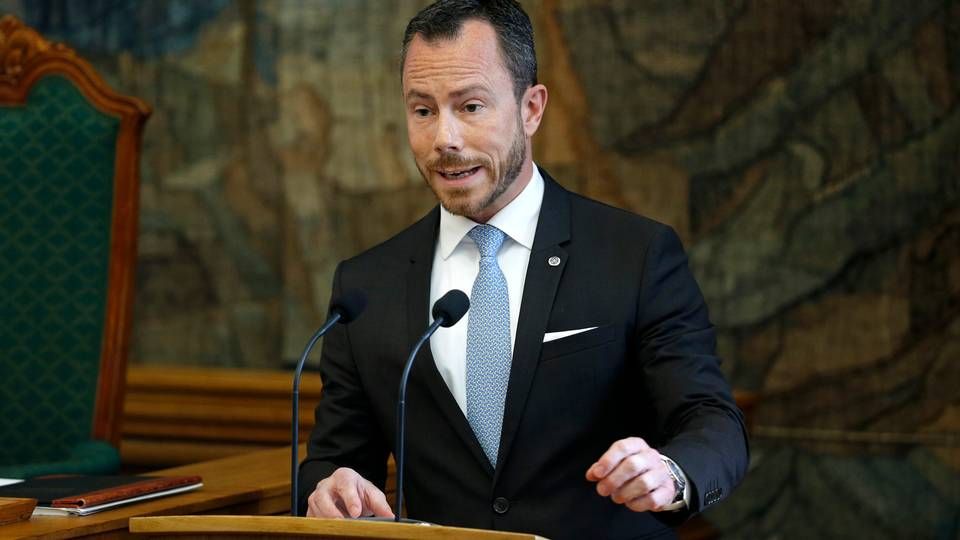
181 415
177 415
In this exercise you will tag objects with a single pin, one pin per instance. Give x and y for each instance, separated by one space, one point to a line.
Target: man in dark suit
581 396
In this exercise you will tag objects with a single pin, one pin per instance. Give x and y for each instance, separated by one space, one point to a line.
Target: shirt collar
518 219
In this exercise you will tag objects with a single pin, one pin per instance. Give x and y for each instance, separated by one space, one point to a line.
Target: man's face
464 122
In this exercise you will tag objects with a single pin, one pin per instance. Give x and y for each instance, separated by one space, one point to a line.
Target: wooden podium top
185 527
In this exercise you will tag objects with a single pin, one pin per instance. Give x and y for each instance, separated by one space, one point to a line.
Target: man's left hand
634 475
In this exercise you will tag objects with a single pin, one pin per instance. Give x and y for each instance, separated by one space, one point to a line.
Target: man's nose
449 137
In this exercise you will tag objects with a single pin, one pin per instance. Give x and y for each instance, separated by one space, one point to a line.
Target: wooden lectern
186 527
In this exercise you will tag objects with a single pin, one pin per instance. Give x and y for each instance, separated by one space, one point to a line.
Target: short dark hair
444 19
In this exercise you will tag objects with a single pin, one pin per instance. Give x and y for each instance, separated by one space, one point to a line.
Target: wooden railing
178 415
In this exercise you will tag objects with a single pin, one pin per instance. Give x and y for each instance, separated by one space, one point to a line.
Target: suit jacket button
501 505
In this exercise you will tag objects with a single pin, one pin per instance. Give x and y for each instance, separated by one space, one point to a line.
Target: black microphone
343 310
447 311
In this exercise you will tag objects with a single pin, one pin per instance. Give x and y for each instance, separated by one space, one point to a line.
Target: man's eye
472 107
421 112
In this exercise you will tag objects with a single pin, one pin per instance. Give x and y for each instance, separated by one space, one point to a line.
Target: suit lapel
547 261
418 309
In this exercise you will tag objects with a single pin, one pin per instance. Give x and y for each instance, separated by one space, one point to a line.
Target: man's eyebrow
416 94
469 89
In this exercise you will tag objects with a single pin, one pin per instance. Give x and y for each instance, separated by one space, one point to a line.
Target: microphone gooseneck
343 310
447 311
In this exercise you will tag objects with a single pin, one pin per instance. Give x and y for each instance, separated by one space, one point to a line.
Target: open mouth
457 174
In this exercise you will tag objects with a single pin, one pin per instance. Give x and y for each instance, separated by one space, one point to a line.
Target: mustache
452 161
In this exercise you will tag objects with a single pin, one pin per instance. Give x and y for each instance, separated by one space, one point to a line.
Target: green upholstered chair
69 158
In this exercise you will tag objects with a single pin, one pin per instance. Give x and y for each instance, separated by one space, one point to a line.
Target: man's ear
532 106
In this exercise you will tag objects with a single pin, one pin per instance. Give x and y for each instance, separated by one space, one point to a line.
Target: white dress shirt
456 262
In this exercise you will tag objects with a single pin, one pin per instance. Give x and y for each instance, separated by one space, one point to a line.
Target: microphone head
349 306
451 306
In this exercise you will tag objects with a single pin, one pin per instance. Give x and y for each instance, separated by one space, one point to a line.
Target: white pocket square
550 336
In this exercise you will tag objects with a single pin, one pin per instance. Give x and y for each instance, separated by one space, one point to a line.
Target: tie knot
488 239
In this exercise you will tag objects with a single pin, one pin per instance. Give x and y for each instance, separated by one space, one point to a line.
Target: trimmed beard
457 201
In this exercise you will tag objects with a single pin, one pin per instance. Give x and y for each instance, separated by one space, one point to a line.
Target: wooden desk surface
254 484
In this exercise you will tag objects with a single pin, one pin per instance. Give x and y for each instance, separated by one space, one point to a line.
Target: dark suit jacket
648 370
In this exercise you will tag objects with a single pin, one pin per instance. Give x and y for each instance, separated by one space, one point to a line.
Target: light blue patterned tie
488 343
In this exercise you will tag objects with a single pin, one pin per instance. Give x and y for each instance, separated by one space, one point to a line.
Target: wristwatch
679 480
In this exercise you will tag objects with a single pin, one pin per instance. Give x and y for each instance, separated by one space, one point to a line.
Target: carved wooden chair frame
25 57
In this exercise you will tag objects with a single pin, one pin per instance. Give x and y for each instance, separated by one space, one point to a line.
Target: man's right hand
346 494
